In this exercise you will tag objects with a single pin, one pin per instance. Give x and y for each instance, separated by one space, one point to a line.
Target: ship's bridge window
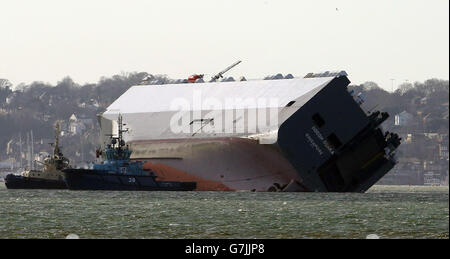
318 120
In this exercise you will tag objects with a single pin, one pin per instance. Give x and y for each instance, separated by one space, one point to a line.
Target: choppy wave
386 211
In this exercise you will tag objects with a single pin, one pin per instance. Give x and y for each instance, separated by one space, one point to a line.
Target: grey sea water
386 211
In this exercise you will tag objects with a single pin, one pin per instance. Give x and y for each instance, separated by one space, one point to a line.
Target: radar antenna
116 140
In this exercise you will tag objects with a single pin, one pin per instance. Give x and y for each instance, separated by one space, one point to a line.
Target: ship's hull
21 182
87 179
221 164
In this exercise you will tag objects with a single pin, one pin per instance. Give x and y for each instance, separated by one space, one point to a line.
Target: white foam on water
372 236
72 236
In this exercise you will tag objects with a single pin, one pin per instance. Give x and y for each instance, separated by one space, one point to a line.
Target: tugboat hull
20 182
86 179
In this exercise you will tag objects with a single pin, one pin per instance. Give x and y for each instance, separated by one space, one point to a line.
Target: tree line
38 105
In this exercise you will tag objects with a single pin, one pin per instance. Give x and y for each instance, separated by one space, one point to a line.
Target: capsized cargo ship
293 135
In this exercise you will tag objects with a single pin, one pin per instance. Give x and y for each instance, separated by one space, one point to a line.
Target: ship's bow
334 145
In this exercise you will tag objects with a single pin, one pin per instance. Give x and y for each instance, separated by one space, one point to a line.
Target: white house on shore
403 118
78 125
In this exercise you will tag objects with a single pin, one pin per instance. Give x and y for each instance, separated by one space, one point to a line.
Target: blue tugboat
118 172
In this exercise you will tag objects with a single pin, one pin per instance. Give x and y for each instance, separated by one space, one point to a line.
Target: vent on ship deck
202 121
290 104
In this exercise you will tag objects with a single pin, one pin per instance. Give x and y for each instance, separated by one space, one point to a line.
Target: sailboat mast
32 150
28 151
20 146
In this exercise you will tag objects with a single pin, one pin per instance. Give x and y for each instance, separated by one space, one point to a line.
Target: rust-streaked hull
222 164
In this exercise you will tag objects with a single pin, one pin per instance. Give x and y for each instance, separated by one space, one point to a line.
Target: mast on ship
120 140
56 150
57 160
195 77
116 141
220 74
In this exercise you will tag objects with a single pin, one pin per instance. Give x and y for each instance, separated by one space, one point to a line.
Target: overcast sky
377 41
